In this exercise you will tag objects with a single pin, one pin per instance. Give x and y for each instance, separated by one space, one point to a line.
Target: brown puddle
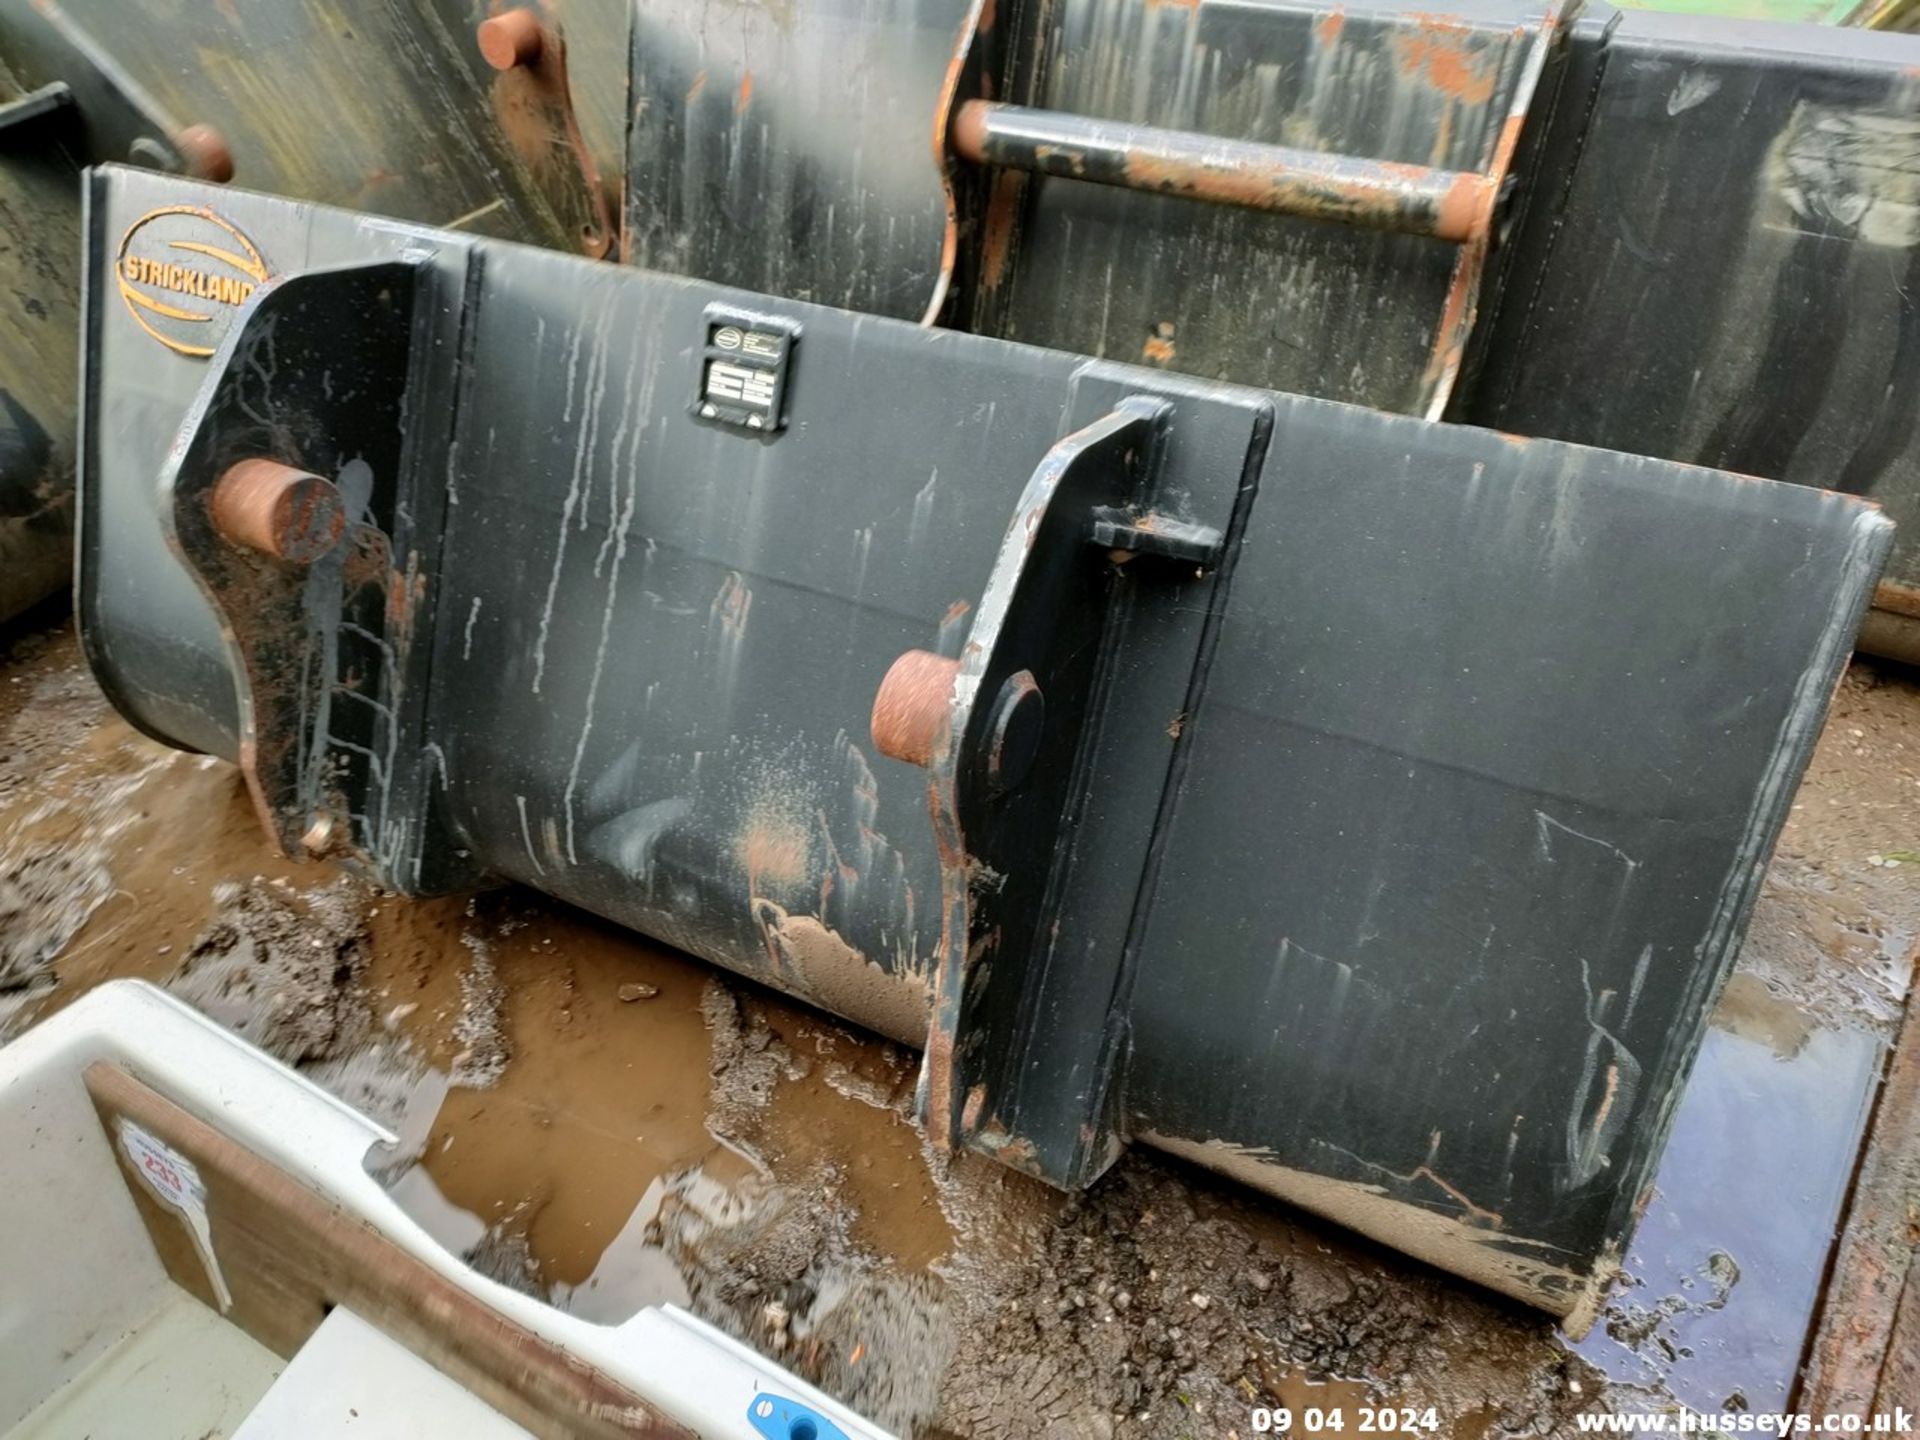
598 1117
163 828
593 1115
597 1099
886 1178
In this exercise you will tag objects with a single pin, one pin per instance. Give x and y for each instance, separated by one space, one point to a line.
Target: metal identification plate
743 369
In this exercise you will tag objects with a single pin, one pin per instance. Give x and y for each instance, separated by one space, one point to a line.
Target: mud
480 1030
280 968
46 896
1837 925
606 1125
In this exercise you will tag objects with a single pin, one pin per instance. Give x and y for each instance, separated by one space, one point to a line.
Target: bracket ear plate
287 499
292 611
1025 741
525 48
1031 649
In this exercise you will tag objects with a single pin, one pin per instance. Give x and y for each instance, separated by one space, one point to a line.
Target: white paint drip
1696 87
466 646
617 538
922 523
526 835
582 450
1589 1141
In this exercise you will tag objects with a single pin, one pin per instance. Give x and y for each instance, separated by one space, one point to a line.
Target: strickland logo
183 272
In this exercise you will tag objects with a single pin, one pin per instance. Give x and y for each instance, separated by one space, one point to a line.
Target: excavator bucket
1364 806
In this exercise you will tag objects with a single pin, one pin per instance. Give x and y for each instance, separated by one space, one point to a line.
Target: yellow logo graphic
183 272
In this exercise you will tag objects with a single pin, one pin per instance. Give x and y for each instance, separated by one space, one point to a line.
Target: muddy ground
607 1125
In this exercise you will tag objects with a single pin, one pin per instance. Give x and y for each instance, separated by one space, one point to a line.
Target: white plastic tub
103 1335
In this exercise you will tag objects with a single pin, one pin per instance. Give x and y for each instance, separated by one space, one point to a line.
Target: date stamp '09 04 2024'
1361 1420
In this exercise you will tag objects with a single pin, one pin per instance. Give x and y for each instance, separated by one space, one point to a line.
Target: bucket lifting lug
283 498
525 48
998 728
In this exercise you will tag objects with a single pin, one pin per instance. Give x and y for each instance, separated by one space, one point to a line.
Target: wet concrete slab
608 1124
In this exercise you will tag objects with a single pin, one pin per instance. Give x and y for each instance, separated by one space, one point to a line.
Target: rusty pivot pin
205 153
512 39
912 708
199 152
287 514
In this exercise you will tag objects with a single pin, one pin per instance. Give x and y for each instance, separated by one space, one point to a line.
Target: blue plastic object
778 1418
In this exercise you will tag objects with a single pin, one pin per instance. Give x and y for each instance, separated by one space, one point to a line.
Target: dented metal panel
1413 921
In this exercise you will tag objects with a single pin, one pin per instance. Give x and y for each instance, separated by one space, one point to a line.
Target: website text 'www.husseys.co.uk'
1898 1421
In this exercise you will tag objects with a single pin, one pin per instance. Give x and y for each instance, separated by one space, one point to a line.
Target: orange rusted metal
1898 599
1462 306
970 132
1410 199
204 151
287 514
965 70
533 100
511 39
911 707
1440 53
